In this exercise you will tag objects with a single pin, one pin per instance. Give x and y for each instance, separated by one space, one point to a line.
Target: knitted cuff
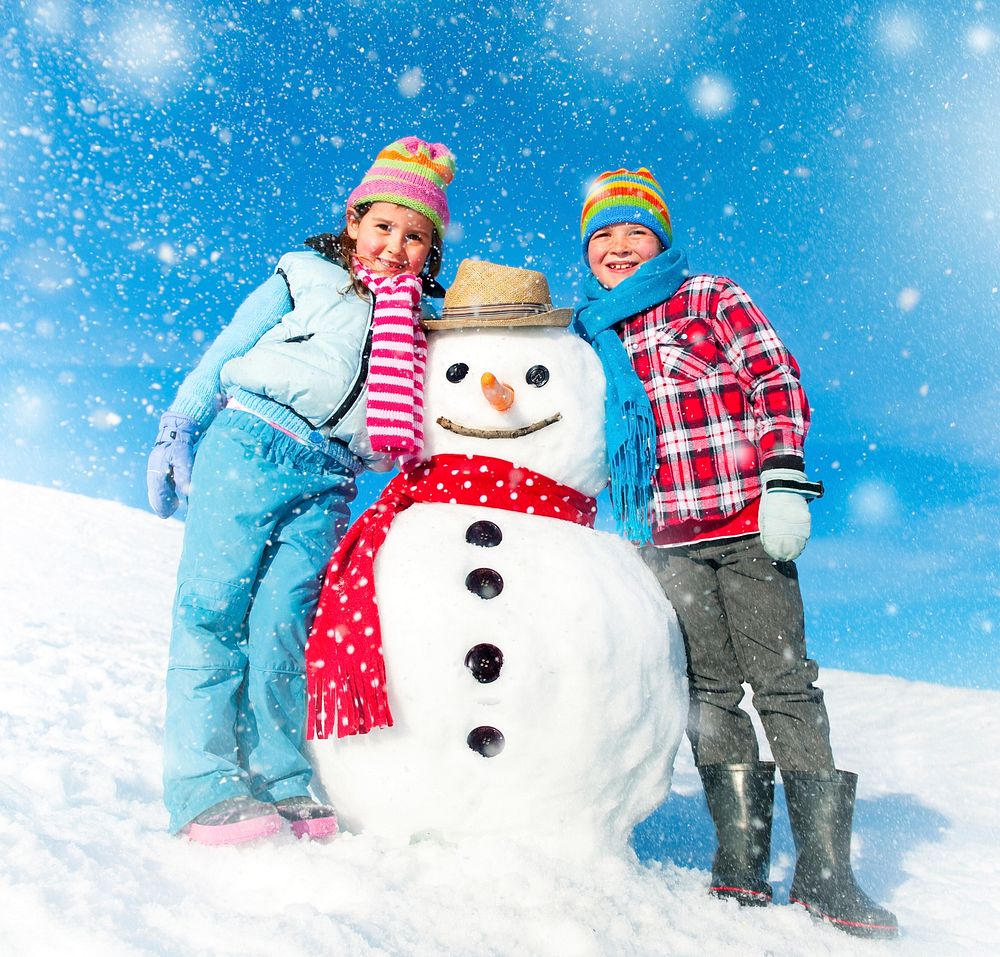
791 480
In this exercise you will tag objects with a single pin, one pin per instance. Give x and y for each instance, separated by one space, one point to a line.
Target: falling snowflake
411 83
149 48
874 503
900 32
908 298
104 419
711 96
166 254
980 40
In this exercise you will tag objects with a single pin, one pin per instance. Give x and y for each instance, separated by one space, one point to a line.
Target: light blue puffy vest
315 360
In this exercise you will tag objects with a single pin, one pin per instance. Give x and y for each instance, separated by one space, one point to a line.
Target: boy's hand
168 473
783 518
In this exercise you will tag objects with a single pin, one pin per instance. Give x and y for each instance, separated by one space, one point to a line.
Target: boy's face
616 252
391 239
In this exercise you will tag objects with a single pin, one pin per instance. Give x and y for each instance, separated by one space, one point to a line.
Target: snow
87 866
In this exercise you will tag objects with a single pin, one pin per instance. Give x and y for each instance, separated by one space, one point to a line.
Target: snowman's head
533 396
505 379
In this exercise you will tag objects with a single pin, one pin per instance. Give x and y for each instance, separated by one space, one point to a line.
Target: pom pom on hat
411 173
621 196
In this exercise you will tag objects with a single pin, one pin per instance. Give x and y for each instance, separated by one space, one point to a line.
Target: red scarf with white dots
345 670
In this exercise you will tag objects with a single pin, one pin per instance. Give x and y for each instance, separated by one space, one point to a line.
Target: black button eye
537 376
457 372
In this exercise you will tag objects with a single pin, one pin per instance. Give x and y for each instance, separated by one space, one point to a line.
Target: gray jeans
741 616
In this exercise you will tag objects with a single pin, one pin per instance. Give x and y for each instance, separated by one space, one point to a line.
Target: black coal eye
457 372
537 376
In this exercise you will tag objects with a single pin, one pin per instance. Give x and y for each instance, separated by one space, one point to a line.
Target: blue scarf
629 425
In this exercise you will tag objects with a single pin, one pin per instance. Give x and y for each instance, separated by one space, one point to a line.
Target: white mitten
783 518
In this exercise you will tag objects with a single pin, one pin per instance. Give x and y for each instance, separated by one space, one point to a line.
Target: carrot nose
499 395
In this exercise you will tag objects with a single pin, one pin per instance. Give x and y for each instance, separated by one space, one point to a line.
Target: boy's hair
621 196
341 247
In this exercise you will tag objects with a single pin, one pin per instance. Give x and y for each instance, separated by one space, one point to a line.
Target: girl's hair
341 248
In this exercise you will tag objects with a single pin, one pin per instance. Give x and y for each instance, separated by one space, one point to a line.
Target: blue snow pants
264 516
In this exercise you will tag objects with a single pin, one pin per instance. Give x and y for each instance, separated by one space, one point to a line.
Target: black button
486 740
484 582
537 376
457 372
484 533
485 662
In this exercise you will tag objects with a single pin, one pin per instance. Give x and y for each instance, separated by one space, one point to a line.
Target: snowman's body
534 668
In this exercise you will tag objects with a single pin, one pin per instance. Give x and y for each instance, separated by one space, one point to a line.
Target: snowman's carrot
498 394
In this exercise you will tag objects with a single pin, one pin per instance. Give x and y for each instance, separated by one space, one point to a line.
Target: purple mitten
168 473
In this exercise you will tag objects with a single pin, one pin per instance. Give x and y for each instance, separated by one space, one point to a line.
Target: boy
709 404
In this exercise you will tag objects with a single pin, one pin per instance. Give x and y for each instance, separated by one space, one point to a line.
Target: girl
321 373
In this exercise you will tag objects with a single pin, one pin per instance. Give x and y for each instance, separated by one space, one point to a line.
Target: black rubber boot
740 798
821 811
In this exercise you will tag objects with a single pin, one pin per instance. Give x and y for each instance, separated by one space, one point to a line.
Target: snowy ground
86 865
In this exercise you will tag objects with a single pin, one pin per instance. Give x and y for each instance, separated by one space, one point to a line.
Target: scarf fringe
631 466
346 689
343 703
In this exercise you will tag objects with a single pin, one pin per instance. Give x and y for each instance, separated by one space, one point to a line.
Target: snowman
484 663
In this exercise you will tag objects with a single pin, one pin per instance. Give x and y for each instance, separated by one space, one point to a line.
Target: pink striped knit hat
411 173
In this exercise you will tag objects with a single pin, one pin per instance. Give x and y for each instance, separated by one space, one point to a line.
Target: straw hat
486 295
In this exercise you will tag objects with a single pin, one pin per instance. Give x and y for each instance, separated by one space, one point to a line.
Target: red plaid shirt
725 394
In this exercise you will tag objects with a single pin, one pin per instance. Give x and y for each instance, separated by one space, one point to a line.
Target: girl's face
616 252
391 239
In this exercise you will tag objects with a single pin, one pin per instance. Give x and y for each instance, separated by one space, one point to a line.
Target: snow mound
86 865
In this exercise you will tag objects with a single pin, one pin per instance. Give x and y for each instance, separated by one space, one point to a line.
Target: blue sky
839 160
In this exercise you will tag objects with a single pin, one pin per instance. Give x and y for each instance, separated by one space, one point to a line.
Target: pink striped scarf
396 368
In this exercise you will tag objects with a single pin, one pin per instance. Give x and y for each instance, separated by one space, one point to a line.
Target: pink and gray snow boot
308 818
234 821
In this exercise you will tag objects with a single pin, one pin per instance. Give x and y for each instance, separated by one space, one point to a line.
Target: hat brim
554 317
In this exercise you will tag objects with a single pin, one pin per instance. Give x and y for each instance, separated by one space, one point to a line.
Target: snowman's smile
459 429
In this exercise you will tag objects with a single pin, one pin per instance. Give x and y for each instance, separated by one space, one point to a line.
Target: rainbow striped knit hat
412 173
621 196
